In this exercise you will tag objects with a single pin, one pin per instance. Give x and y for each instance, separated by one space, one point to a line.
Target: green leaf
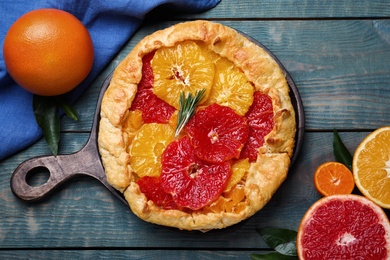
68 109
341 152
272 256
46 115
280 239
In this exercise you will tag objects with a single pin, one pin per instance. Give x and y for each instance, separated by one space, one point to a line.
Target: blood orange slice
344 227
260 120
154 110
151 187
217 133
192 182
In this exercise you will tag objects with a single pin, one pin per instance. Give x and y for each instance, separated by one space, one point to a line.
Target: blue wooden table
337 52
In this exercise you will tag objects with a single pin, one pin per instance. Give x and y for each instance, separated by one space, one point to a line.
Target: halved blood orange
261 121
344 227
193 183
154 110
218 133
151 187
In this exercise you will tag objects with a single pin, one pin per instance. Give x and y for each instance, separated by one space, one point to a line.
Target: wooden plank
82 213
126 254
287 9
340 68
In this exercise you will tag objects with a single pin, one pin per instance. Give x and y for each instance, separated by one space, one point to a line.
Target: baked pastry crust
273 161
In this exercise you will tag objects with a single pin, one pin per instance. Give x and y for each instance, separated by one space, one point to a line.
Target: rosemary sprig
187 108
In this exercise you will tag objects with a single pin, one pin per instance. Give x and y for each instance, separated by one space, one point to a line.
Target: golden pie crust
273 161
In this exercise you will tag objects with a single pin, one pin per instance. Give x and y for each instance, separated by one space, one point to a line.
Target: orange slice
239 168
131 125
232 201
181 68
333 178
147 147
231 88
371 166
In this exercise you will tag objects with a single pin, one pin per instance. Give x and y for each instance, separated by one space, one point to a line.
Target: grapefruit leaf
280 239
46 115
341 152
68 110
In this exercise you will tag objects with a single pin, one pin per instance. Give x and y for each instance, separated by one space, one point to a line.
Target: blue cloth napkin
110 23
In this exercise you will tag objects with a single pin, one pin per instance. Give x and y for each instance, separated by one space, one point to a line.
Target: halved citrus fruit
154 110
181 68
333 178
261 121
147 148
344 227
371 166
218 133
193 183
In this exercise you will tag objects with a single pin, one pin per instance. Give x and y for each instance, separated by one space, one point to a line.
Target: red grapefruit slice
147 79
261 121
151 187
344 227
217 133
154 109
193 183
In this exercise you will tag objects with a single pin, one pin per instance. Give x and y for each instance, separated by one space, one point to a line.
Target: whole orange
48 52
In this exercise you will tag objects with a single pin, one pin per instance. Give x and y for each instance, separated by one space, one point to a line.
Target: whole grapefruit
48 52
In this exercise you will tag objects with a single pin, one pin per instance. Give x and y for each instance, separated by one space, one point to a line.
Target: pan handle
64 167
61 168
